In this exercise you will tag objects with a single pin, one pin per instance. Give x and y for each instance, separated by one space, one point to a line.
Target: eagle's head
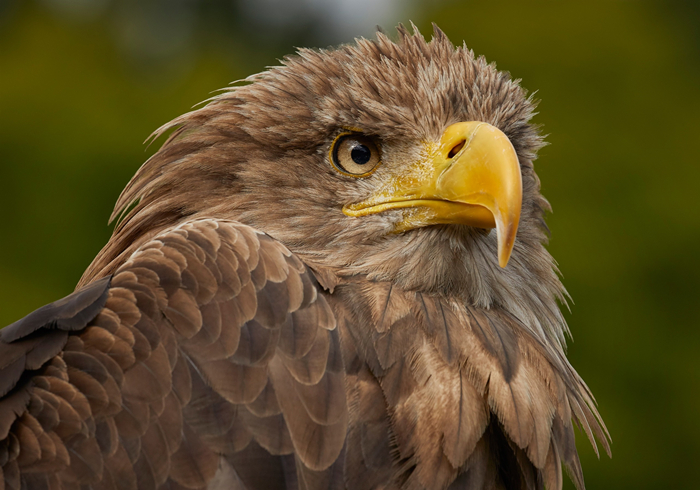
407 161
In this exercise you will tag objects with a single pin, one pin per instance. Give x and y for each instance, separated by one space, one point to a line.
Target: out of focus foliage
84 82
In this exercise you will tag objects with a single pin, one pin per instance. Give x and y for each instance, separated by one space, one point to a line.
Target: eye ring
354 154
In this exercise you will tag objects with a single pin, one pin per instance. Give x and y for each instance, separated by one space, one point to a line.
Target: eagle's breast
436 387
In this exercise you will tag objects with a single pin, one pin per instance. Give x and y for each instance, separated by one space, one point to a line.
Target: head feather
257 153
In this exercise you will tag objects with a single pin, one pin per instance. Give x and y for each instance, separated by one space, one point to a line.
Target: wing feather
210 341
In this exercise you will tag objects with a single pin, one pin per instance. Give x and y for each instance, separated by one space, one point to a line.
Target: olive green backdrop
84 82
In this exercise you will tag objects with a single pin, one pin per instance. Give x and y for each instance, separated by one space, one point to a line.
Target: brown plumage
244 330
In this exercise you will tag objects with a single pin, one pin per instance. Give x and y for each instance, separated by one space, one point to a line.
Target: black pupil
360 154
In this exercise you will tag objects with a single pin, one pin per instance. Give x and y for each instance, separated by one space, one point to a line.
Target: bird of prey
330 277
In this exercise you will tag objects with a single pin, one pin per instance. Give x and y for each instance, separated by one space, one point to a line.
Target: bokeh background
84 82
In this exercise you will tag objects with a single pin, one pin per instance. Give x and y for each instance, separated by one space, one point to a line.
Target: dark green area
620 88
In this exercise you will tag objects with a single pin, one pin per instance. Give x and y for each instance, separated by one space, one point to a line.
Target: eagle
332 276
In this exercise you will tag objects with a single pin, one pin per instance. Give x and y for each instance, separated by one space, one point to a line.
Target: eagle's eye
355 154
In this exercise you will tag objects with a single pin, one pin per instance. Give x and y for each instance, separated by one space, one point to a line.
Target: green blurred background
84 82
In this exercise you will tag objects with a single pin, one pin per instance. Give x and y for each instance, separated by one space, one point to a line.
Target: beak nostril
456 148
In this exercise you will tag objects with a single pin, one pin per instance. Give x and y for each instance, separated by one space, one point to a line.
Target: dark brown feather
194 464
70 313
140 396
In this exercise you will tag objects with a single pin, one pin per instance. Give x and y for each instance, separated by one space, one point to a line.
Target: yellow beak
471 177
